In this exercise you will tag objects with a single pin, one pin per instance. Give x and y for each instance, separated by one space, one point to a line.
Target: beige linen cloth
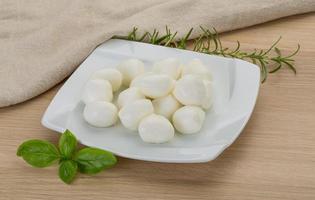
42 41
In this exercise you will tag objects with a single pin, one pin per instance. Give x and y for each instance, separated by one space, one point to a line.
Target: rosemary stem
209 42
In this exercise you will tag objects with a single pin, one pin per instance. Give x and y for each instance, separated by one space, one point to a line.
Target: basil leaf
38 153
92 160
67 170
67 144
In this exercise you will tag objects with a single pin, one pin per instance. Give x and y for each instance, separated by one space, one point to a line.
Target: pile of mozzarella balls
152 103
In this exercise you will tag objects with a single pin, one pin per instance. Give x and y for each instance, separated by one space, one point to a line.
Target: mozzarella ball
156 85
135 82
197 68
188 119
132 113
166 106
112 75
170 67
100 113
208 101
97 90
155 129
128 96
190 90
130 69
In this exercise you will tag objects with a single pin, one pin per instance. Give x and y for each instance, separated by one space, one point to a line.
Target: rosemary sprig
208 42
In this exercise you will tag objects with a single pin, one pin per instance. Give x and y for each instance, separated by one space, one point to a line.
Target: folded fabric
42 42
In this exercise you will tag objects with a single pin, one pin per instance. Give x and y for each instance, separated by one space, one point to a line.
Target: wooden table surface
274 158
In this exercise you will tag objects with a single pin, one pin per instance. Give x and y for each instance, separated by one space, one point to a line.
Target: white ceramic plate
236 85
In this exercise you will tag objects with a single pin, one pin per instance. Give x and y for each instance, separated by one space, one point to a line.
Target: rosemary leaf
209 42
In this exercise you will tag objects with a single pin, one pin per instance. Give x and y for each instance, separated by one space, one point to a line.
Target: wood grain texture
274 158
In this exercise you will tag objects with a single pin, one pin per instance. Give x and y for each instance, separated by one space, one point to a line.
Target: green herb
39 153
208 42
67 144
92 160
67 170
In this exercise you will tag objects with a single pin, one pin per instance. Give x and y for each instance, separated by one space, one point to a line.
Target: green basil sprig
41 153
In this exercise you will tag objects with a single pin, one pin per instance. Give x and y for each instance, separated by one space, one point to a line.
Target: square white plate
236 84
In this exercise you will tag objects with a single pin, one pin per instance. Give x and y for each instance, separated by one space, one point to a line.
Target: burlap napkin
42 42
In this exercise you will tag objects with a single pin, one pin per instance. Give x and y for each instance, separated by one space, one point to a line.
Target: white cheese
112 75
156 129
131 114
188 119
100 113
130 69
97 90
